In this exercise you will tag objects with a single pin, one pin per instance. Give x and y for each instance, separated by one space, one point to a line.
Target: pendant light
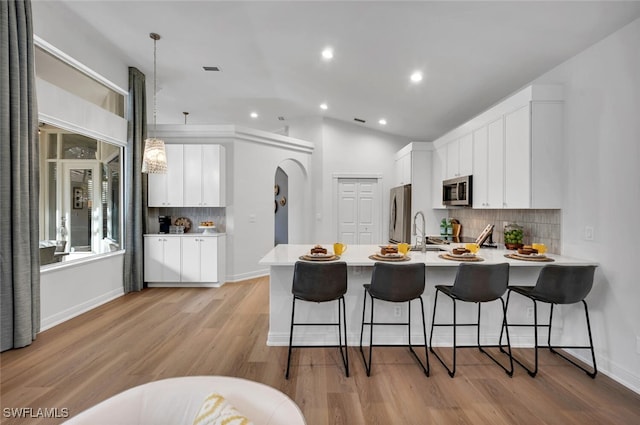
154 159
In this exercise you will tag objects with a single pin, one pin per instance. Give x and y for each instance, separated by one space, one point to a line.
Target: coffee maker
165 223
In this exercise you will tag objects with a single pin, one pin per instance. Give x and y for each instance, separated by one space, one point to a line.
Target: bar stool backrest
481 282
397 282
319 282
563 284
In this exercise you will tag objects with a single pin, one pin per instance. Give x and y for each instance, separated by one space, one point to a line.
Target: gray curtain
136 184
19 179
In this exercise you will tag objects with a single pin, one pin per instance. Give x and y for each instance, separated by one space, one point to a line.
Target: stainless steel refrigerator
400 214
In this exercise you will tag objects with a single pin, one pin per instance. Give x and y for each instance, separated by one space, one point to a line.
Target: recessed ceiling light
416 77
254 115
324 106
382 121
327 53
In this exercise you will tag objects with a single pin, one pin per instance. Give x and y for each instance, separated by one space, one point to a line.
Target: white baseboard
76 310
248 275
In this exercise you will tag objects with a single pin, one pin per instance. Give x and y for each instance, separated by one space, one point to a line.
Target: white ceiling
472 54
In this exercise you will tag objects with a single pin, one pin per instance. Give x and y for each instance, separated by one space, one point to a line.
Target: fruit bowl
513 246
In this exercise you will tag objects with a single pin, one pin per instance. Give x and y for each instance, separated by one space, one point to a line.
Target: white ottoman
177 401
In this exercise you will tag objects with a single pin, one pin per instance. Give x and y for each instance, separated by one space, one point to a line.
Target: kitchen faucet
423 241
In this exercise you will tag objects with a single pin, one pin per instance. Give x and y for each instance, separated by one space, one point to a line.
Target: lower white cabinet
179 260
162 258
199 259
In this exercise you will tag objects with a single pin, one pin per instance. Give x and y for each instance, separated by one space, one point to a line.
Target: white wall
57 25
70 289
252 232
349 148
602 183
67 290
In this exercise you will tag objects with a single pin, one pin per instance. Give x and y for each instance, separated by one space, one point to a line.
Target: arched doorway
291 203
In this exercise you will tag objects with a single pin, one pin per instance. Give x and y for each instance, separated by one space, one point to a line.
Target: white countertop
199 234
358 255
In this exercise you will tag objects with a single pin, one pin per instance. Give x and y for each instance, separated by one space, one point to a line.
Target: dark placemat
538 259
311 258
377 257
465 259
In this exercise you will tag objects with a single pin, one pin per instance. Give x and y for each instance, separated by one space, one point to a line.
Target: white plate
465 255
517 254
391 255
320 255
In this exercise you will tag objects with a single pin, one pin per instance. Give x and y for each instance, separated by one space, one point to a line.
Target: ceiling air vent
211 68
359 120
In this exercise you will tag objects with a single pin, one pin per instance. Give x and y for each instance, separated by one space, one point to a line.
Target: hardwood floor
166 332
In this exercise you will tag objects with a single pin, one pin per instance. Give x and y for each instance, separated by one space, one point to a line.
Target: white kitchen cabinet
488 165
495 164
403 167
516 151
199 259
165 190
184 260
480 168
533 155
438 166
162 258
204 171
459 155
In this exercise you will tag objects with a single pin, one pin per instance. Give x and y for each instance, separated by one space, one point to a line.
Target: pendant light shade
154 159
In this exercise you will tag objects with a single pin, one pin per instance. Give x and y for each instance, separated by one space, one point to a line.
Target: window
80 193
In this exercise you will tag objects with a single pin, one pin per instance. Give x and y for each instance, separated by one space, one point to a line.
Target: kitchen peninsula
282 258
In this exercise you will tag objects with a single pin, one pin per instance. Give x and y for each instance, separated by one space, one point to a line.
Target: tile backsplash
196 215
542 226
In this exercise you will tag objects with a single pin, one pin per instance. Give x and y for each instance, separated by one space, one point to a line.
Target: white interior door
358 211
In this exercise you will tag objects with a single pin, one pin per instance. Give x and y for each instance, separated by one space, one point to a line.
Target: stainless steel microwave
457 191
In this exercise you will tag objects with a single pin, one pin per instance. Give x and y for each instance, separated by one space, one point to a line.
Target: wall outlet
397 311
530 313
588 233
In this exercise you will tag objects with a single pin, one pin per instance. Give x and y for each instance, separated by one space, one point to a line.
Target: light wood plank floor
165 332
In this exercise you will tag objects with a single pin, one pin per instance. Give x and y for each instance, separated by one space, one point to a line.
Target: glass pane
111 201
50 208
77 146
81 188
52 146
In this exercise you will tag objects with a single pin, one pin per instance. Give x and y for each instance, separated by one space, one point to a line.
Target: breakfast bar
439 270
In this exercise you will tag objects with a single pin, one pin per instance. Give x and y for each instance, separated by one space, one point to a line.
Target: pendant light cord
155 38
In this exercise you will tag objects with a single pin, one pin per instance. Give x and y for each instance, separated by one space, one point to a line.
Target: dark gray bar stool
395 283
558 285
320 282
477 283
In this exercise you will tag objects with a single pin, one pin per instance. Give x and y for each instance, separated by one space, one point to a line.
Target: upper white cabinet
165 190
414 166
195 177
516 151
438 165
460 157
203 174
403 169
